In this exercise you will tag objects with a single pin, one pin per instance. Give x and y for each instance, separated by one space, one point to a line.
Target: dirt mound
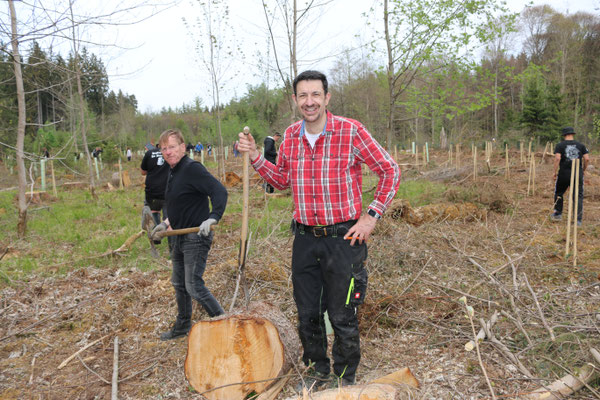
232 179
401 209
490 196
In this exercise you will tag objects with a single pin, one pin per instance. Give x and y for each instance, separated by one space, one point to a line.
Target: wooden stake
529 177
474 164
576 210
450 156
521 151
533 173
244 230
570 209
507 171
417 156
457 156
53 179
115 376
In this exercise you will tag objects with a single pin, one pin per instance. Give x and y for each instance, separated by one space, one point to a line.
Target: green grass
69 232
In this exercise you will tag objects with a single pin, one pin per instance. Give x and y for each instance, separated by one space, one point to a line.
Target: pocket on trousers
358 287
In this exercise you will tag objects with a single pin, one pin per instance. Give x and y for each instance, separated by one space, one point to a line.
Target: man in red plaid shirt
320 159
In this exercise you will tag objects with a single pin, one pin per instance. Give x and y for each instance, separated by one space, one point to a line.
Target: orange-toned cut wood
241 352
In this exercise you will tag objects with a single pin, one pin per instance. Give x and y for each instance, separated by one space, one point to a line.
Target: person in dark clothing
270 153
564 153
156 171
190 191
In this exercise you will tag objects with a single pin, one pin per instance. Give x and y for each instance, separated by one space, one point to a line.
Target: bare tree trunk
22 203
390 76
82 106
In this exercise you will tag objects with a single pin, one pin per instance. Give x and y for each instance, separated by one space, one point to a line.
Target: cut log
400 384
240 352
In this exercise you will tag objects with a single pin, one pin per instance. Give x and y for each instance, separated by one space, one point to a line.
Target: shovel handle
184 231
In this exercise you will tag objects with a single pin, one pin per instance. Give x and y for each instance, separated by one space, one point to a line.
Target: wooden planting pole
531 180
449 155
507 171
457 156
488 154
425 158
53 179
529 151
396 152
575 210
570 209
474 164
43 173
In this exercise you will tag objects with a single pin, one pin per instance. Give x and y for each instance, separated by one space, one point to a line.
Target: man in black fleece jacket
190 188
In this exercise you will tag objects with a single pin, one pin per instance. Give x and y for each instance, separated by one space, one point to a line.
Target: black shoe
179 329
314 381
556 217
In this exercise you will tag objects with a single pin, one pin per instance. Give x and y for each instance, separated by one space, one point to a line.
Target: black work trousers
563 182
329 275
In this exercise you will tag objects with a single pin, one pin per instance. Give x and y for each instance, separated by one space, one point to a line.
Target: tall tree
216 52
415 32
16 58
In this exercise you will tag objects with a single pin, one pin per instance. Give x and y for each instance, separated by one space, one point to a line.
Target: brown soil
411 318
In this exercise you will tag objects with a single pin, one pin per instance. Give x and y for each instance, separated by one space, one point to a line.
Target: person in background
128 153
270 153
194 198
564 153
156 171
320 159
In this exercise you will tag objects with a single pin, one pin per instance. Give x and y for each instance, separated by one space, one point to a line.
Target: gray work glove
158 229
204 229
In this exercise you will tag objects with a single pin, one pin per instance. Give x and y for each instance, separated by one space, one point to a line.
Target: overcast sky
158 63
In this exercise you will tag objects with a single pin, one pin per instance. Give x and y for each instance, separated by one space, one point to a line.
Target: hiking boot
556 217
313 380
179 329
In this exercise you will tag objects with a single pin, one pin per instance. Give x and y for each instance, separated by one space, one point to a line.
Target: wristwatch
373 214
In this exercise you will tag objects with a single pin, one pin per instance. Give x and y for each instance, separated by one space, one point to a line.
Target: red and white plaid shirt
326 180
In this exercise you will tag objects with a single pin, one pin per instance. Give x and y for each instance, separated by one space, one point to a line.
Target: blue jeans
188 254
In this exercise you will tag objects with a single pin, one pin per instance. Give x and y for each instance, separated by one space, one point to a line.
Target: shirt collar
303 131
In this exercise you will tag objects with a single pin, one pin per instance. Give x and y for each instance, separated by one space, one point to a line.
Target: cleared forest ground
505 257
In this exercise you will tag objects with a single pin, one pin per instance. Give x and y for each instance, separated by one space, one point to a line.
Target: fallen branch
91 370
505 350
66 361
565 386
552 337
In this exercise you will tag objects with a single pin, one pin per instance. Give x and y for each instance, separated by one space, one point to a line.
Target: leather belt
325 230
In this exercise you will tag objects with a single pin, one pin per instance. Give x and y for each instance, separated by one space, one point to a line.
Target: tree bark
240 352
22 202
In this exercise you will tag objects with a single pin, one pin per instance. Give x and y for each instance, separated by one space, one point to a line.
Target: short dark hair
277 134
311 75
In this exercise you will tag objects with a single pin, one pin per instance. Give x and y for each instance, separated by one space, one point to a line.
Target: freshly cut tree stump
240 349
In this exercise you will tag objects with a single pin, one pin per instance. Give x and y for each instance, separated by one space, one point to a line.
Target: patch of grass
420 193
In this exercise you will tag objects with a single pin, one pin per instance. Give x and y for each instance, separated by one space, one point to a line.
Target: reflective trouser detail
322 271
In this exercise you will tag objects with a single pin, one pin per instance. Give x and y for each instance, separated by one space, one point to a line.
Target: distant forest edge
552 82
